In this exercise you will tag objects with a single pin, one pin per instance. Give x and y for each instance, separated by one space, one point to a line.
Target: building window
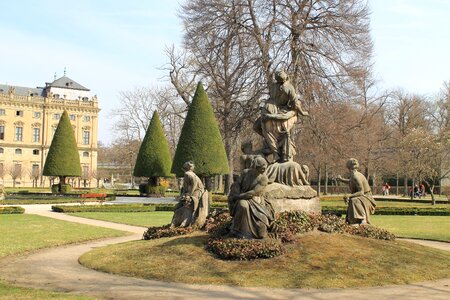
87 118
85 99
56 116
2 132
85 172
86 137
2 112
35 171
19 132
36 134
17 171
35 152
18 151
85 154
19 113
2 151
36 114
56 96
72 117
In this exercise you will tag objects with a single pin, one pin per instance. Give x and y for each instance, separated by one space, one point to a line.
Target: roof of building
66 83
22 91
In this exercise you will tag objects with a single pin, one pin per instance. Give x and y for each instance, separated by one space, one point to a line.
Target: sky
110 46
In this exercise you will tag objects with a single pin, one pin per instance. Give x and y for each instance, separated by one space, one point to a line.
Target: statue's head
352 164
281 76
188 166
259 163
247 147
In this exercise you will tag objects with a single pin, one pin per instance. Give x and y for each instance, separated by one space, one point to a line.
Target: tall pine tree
200 140
154 159
63 159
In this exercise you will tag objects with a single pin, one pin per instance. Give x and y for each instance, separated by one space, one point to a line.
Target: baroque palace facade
28 120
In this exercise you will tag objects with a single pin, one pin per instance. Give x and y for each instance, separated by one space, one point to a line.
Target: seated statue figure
252 214
192 207
360 203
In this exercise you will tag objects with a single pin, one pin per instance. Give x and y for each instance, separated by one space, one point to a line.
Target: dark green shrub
55 188
63 159
370 231
154 159
155 190
242 249
113 208
165 231
12 210
200 140
66 188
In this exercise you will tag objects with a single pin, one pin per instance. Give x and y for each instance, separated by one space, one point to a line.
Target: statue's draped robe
276 132
251 217
361 207
195 211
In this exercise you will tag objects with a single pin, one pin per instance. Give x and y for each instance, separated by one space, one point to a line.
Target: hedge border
6 210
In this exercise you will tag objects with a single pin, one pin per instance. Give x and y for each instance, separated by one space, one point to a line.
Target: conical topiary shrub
154 159
63 159
200 140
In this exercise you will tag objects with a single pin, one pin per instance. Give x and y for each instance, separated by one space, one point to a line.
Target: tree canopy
200 140
154 159
63 158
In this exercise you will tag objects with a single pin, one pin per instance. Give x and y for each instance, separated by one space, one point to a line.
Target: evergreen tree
154 159
200 140
63 159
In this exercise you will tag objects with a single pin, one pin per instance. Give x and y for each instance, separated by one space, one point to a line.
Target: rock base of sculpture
286 198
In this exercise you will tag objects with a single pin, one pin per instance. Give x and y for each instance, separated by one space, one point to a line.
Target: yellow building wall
47 107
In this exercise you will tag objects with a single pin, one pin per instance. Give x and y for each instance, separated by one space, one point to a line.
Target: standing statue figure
192 208
252 214
278 117
360 203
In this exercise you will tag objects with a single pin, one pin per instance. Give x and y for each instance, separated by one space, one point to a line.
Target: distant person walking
386 188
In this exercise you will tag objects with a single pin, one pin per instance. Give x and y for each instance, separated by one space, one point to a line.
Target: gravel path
58 269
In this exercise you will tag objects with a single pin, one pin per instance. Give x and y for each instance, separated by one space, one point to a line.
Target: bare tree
16 172
2 172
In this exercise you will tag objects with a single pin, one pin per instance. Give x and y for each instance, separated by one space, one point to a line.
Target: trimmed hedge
407 211
242 249
113 208
12 210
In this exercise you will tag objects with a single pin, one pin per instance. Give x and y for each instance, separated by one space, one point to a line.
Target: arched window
18 151
85 154
2 151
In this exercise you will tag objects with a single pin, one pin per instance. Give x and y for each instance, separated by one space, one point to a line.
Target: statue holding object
192 207
360 203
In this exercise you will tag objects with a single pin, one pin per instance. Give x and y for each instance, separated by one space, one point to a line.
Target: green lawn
386 204
23 233
422 227
145 219
10 292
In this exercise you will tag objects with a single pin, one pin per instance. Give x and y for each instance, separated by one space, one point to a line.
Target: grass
10 292
316 261
146 219
386 204
22 233
421 227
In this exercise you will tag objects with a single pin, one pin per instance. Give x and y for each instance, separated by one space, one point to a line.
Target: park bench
100 197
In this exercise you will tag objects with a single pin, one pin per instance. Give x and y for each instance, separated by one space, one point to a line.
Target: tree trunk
396 184
326 180
405 185
319 175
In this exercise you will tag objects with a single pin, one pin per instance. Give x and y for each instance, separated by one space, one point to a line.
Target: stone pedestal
286 198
